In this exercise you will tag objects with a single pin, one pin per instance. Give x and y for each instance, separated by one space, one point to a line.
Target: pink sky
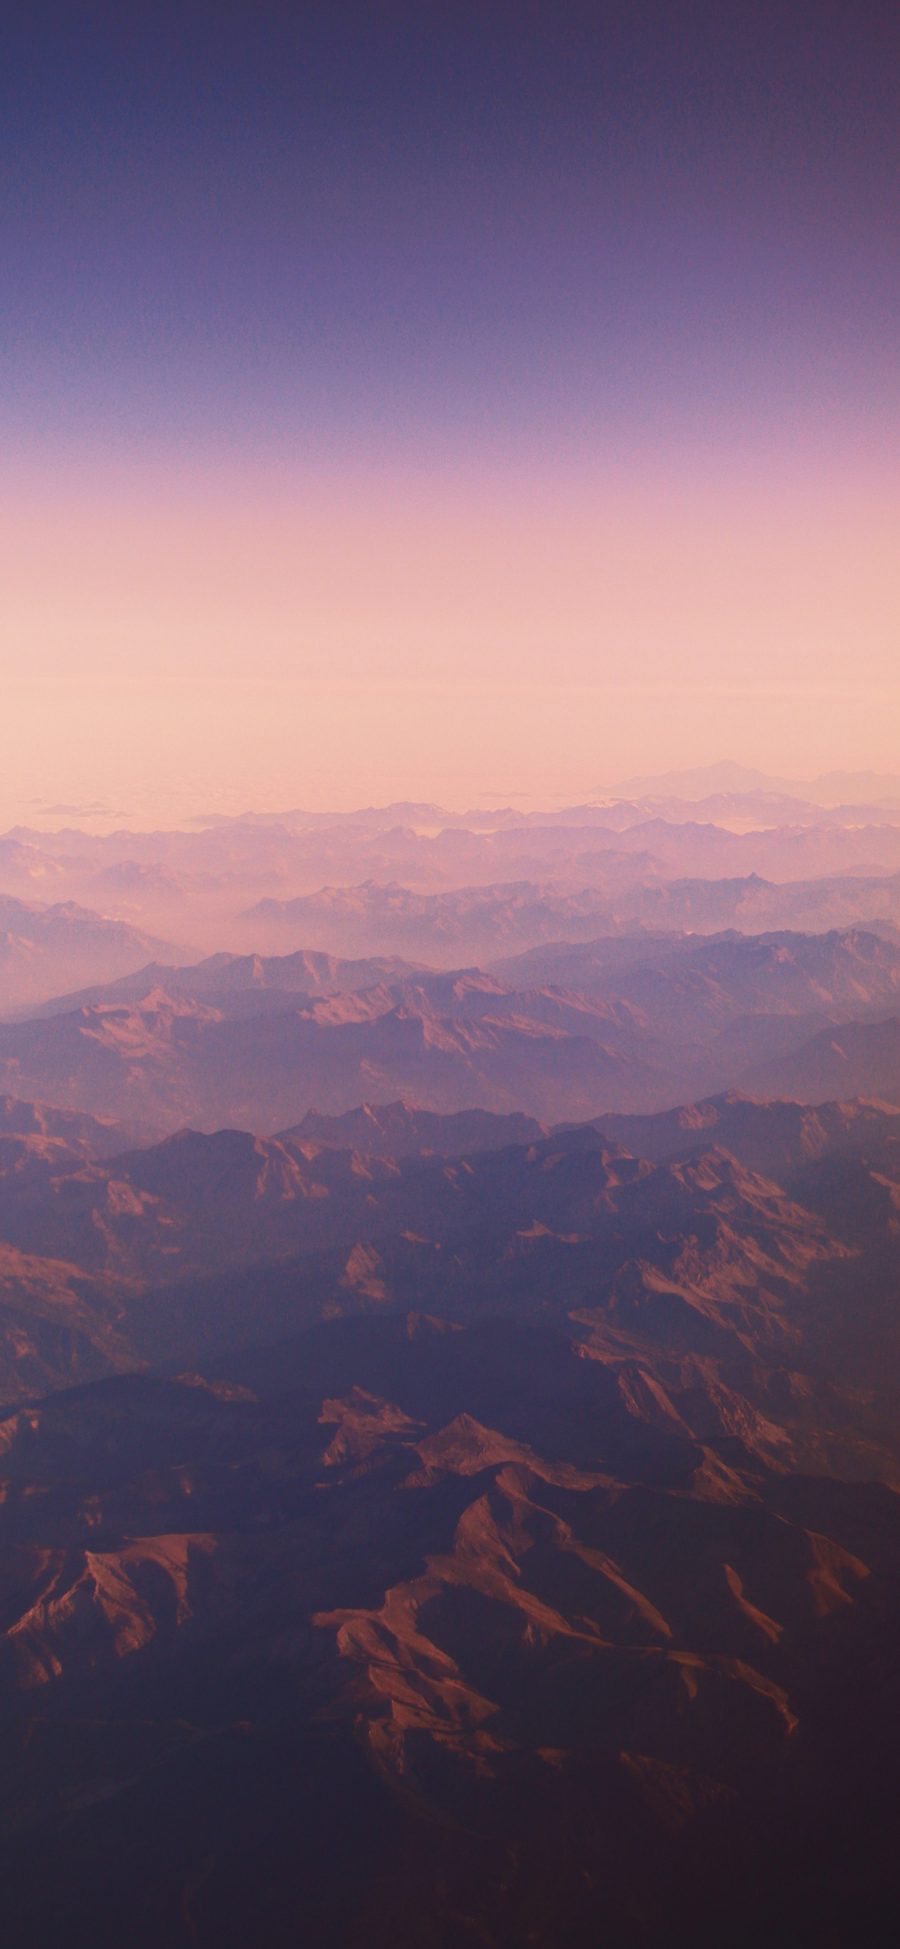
182 638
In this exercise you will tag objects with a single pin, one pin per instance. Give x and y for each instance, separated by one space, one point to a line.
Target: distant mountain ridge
829 788
44 947
563 1033
482 922
307 974
419 880
766 1135
401 1130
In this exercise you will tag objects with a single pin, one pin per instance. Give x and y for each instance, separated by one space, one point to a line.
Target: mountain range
566 1032
720 1230
477 921
197 886
829 788
450 1375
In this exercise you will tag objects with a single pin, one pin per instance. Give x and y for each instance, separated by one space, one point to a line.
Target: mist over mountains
375 880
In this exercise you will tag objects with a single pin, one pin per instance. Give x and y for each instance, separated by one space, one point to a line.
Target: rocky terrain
566 1032
449 1454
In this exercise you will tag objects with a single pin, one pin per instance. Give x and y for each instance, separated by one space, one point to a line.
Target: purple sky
345 224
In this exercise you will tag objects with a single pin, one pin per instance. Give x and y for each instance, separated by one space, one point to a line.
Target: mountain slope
375 1655
768 1136
753 1305
236 980
566 1033
46 948
169 1061
856 1059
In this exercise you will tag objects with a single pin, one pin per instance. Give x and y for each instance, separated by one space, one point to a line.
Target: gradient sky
444 400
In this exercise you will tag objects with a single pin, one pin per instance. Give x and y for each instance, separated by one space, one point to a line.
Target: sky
455 401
